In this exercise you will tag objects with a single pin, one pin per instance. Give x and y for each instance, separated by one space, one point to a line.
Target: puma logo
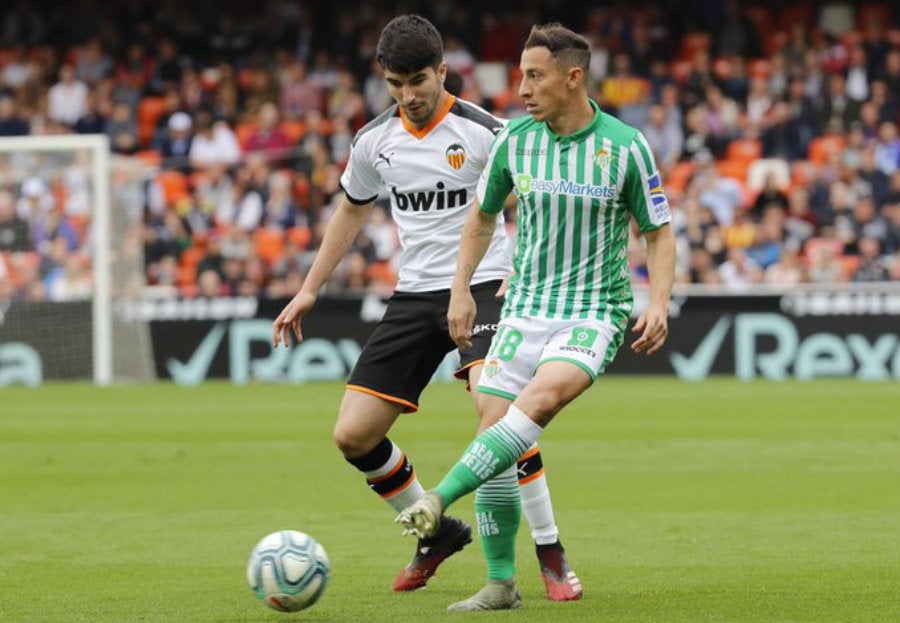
387 158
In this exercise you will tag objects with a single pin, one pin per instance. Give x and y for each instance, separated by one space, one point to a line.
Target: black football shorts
412 339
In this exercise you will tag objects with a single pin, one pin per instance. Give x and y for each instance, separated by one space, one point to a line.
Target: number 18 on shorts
521 345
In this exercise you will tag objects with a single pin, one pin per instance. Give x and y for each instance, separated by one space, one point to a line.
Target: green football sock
497 513
492 452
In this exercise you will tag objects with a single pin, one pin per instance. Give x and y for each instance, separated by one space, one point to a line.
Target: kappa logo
456 156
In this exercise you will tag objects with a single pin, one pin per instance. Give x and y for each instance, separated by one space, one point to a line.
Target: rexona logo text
818 355
437 199
525 185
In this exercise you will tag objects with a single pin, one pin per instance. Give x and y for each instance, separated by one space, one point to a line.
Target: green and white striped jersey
576 196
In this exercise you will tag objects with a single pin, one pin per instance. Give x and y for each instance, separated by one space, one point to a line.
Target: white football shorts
522 344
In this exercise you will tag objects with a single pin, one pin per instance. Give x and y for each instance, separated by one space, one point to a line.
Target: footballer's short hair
409 43
568 49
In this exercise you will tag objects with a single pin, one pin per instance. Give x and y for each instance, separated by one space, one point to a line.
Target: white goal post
29 156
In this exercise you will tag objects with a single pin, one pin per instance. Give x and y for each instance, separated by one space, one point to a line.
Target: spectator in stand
345 101
800 223
698 144
18 70
67 99
770 195
281 211
871 266
122 129
622 88
176 145
133 72
739 273
891 214
214 144
193 96
209 284
887 149
721 118
93 121
375 91
11 124
788 270
722 195
665 139
836 107
735 34
15 234
858 78
890 74
93 64
166 74
824 265
227 99
298 95
72 283
268 138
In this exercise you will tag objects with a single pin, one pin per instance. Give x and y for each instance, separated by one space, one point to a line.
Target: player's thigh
555 384
363 421
401 356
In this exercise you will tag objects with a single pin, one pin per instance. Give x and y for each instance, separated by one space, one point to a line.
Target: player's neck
438 109
573 118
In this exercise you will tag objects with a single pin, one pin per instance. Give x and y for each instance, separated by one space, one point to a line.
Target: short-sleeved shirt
430 176
576 197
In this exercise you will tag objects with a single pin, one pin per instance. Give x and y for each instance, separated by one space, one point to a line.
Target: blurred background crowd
775 127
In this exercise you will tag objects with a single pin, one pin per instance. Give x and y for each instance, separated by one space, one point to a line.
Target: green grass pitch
717 501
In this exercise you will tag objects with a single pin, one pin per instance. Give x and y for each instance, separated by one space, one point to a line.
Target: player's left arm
653 324
648 204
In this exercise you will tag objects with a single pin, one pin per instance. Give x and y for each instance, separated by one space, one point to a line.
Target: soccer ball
288 570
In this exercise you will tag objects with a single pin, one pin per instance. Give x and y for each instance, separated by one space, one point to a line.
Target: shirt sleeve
495 182
644 195
360 181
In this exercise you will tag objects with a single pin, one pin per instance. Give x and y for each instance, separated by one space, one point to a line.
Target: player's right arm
343 228
477 234
491 193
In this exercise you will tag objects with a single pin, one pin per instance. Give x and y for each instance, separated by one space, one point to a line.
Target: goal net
71 254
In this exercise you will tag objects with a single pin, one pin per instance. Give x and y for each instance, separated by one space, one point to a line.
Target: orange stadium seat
174 186
869 12
382 273
744 150
736 169
694 42
244 131
269 243
679 176
150 109
822 147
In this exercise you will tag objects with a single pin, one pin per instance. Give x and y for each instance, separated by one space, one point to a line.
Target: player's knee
351 443
545 403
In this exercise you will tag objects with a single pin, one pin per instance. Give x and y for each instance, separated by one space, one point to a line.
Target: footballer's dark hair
409 43
568 49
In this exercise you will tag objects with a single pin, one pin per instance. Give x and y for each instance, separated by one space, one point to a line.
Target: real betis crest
602 159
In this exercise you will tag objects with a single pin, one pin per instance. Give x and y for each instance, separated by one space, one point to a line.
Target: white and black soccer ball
288 570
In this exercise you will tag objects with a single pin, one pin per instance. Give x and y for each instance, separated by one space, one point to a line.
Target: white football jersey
430 176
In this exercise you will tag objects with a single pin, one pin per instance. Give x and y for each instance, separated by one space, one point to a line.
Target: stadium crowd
775 129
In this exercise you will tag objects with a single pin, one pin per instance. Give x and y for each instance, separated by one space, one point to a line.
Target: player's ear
442 72
575 77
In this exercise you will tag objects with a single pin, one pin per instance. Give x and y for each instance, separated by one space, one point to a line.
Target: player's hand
653 327
501 291
290 318
461 318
